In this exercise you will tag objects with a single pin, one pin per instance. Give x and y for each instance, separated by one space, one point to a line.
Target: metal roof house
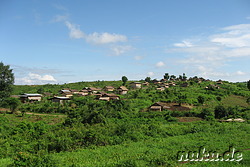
60 100
28 97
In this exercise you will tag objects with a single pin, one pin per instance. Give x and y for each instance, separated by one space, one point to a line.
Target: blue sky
52 41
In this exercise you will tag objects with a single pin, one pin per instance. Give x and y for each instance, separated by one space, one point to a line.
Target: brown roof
123 88
109 87
84 90
155 107
110 95
74 90
94 89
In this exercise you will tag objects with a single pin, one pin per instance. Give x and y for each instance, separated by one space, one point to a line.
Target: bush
26 159
220 112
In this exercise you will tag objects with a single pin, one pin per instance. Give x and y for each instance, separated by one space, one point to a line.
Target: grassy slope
163 151
234 100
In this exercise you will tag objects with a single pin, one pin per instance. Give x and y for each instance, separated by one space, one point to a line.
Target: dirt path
45 114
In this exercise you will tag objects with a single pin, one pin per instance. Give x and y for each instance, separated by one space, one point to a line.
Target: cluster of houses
109 92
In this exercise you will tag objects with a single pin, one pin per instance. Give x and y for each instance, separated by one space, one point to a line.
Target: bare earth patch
188 119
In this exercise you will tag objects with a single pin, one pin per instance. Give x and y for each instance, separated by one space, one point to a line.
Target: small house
93 90
159 88
136 85
109 88
219 82
65 92
83 92
108 97
74 91
159 106
60 100
122 90
26 97
145 84
171 84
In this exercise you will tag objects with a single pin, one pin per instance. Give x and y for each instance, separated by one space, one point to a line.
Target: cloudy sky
51 41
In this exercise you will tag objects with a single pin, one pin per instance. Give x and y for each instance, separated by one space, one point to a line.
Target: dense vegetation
88 132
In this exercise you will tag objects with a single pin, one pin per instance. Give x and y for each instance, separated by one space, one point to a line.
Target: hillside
145 126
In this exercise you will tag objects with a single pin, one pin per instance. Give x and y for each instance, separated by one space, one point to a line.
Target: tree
11 103
181 98
6 81
172 77
220 112
166 76
124 80
148 79
248 84
180 77
201 99
184 77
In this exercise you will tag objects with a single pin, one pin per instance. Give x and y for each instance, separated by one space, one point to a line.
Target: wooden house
26 97
109 88
60 100
136 85
93 90
159 106
219 82
145 84
160 88
122 90
83 92
108 97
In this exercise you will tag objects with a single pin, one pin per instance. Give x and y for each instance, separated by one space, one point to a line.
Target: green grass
47 118
234 100
5 162
162 151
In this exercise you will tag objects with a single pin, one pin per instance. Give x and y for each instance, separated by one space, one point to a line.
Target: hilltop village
136 121
110 92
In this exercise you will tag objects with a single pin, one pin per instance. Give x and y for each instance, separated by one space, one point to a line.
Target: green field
89 132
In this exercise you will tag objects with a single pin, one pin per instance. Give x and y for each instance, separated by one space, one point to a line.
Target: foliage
123 132
148 79
166 76
248 85
6 81
124 80
11 103
220 112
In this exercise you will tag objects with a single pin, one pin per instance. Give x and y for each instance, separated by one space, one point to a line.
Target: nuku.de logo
203 155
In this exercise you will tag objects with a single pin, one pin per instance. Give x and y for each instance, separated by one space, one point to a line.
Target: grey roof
30 95
61 98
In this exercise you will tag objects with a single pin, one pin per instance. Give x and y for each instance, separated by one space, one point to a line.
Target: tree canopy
248 84
124 80
6 80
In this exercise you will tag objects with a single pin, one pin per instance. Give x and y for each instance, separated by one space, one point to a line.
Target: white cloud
60 18
120 49
235 36
214 55
94 38
75 31
33 79
240 73
184 44
138 57
105 38
248 17
150 74
160 64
